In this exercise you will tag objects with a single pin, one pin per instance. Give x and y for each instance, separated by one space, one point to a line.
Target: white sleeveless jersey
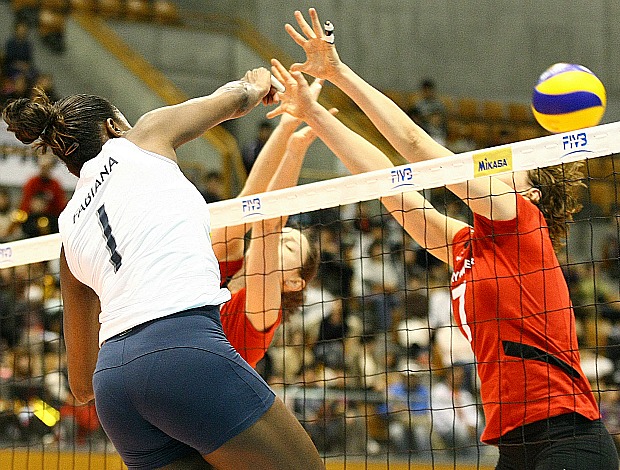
137 232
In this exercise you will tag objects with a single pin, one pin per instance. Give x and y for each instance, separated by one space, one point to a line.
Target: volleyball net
372 364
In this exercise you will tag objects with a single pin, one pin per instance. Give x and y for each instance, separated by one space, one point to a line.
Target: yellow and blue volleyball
568 97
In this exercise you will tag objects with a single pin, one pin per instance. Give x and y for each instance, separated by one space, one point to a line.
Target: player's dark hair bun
29 118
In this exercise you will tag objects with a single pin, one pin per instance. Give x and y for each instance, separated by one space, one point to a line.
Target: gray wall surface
493 49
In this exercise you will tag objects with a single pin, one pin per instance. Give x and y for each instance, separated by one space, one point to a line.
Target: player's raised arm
228 242
263 269
322 60
427 226
165 129
490 197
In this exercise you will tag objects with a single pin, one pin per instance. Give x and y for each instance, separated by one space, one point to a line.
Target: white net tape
589 143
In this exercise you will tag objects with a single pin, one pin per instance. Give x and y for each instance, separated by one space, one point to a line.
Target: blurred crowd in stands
19 74
372 362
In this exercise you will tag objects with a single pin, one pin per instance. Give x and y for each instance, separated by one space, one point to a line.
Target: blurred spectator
406 262
251 150
322 417
595 299
291 350
408 411
334 328
429 111
367 367
38 221
379 283
213 187
439 297
26 389
43 194
413 332
13 87
18 55
327 427
16 291
335 271
455 413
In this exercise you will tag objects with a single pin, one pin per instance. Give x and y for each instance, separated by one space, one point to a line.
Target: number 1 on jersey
115 257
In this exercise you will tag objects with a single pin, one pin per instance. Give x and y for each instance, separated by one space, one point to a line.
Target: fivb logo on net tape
402 177
571 146
6 254
575 143
251 206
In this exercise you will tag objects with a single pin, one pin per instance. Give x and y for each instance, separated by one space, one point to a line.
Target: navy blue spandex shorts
174 386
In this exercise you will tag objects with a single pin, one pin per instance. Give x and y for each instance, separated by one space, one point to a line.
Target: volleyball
568 97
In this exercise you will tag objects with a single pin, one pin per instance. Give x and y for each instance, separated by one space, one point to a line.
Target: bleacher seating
160 11
165 12
138 10
493 111
467 109
83 6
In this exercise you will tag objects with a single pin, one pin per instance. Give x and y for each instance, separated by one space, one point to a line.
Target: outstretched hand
287 119
322 60
297 99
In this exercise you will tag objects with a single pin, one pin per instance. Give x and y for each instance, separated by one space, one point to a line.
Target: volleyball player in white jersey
140 281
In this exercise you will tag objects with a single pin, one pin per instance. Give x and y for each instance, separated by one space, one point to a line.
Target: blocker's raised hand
298 98
322 60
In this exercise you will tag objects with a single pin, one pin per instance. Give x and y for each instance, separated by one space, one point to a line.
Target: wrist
299 145
289 123
251 96
340 74
314 113
240 96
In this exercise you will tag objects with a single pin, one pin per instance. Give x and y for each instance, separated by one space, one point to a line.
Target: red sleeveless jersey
511 301
228 269
247 340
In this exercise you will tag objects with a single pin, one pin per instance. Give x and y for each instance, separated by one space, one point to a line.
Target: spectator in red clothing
46 186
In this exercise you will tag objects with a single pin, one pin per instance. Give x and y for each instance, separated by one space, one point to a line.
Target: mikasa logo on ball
492 161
